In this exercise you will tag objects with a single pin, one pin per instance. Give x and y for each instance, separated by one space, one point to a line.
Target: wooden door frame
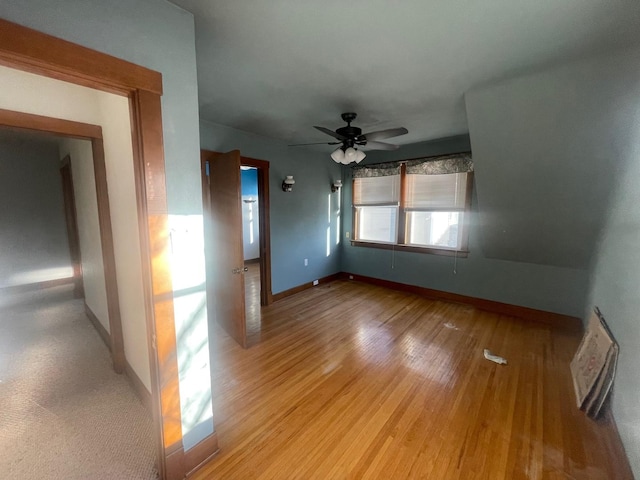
35 52
71 221
266 296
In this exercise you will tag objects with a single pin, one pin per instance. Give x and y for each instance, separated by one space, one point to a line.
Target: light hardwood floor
349 380
253 311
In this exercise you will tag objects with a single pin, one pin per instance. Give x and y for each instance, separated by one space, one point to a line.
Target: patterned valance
442 164
457 163
377 170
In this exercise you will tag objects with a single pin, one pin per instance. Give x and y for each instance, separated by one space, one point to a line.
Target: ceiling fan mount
350 137
349 132
349 116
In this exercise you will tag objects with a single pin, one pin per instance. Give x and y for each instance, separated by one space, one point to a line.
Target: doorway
23 122
258 274
54 364
250 228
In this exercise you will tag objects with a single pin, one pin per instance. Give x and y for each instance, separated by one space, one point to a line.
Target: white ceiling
278 67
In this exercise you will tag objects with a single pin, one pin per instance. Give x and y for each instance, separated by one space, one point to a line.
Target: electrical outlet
306 262
315 282
346 234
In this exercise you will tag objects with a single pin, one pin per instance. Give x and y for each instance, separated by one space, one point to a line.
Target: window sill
413 249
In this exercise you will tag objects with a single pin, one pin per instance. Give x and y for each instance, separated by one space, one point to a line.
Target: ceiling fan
352 137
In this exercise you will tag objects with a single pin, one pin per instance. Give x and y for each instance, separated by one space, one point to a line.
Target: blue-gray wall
299 220
615 289
615 278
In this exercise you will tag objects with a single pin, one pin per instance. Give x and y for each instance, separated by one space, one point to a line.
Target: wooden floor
253 311
354 381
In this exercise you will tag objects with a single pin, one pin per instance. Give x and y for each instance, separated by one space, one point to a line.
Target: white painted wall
118 153
84 189
34 94
250 227
33 235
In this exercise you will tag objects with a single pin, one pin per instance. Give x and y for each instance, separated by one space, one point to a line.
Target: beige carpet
64 413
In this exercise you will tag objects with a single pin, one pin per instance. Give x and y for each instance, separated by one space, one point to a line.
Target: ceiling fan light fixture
338 155
350 154
348 137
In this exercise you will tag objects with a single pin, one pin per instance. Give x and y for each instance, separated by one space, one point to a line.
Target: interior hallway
65 413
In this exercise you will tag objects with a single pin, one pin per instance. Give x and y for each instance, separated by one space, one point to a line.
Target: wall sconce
287 183
337 185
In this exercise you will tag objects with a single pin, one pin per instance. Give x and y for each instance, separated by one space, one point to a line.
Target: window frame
401 236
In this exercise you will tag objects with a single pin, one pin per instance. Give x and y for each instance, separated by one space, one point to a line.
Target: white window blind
436 192
373 191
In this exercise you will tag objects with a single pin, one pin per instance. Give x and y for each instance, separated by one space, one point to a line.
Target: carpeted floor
64 412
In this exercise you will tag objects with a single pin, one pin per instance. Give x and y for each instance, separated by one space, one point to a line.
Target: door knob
246 269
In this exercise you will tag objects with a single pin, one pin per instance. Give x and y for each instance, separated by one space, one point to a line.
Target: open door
223 243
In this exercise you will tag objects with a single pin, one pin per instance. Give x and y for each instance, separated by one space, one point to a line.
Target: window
418 205
376 200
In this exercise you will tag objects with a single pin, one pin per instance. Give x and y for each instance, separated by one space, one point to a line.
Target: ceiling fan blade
382 134
316 143
380 146
330 132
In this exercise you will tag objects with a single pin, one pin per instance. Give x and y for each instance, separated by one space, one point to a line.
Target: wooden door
223 244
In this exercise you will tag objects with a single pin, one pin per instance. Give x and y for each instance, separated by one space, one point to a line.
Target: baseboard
106 338
199 455
305 286
138 387
141 391
252 260
28 287
174 462
564 322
